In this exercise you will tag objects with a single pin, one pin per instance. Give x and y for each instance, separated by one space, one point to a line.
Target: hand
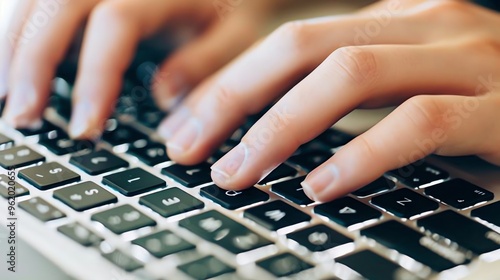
39 33
437 59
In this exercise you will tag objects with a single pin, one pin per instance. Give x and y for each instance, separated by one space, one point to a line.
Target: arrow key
85 196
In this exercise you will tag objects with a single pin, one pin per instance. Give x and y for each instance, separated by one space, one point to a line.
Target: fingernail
319 182
173 122
185 138
80 119
18 111
228 165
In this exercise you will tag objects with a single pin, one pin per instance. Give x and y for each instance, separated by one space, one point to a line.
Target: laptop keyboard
126 189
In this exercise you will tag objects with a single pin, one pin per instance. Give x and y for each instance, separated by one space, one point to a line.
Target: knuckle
483 44
448 12
426 113
294 34
356 64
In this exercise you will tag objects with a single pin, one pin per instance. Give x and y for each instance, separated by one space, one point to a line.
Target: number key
84 196
18 157
48 175
122 219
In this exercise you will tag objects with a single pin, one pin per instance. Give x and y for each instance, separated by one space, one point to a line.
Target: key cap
80 234
464 231
18 157
233 199
122 219
419 174
280 172
310 160
292 190
347 211
171 202
44 128
150 116
84 196
372 266
123 260
5 142
414 244
98 162
334 138
118 134
404 203
319 238
488 213
48 175
284 264
379 185
163 243
151 154
41 209
276 215
189 176
62 146
11 188
459 193
223 231
205 268
133 181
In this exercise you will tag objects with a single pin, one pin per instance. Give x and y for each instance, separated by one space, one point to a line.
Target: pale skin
437 61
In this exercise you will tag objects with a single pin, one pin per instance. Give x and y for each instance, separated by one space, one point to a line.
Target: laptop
119 208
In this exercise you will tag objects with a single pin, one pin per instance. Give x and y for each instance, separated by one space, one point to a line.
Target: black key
18 157
123 260
379 185
122 219
5 142
405 203
488 213
151 154
117 134
85 196
464 231
374 267
133 181
335 138
309 161
150 116
170 202
223 231
419 174
49 175
205 268
284 264
280 172
98 162
414 244
62 146
163 243
41 209
276 215
80 234
45 127
459 193
189 176
11 188
347 211
319 238
224 149
234 199
293 191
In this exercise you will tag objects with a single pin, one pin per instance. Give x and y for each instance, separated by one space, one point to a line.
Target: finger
247 85
106 55
200 58
350 77
419 127
43 44
12 19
